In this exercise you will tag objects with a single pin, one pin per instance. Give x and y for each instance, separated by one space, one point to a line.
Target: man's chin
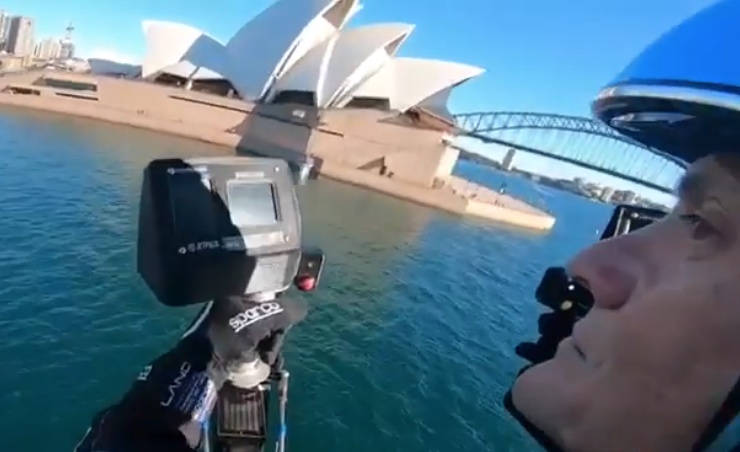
533 387
547 393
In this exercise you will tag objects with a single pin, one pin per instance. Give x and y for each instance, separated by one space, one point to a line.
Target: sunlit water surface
408 346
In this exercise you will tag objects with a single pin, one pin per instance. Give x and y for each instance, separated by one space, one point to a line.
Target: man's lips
576 342
570 344
578 350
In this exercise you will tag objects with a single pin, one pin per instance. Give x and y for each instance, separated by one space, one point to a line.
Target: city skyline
18 37
558 169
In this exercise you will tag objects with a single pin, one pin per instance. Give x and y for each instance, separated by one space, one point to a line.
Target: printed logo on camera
254 314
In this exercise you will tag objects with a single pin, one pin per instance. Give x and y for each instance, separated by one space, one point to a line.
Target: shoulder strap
545 441
727 412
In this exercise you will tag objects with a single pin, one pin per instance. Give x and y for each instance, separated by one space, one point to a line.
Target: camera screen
192 205
252 204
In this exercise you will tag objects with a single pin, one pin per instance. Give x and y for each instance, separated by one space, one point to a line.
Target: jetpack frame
240 419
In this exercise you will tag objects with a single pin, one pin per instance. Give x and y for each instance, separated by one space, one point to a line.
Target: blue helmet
681 95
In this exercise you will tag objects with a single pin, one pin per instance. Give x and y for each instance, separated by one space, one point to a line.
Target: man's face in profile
651 363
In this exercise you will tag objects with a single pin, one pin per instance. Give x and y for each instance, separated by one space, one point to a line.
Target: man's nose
609 269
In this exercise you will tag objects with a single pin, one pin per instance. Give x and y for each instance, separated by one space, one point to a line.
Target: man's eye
700 228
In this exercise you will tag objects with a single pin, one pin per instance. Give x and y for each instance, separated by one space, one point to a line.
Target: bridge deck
580 141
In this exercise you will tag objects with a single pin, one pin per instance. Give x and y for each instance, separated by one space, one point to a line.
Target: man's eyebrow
692 187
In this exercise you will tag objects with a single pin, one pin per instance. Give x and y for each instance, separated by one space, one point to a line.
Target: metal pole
205 441
283 393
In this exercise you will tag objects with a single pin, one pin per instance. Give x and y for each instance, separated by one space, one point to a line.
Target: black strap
542 439
727 412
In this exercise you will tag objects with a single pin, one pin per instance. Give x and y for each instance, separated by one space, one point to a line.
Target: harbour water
408 345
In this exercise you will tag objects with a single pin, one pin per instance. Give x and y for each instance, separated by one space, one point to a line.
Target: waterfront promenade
345 154
471 190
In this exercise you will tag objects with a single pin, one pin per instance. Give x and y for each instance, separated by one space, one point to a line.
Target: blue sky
540 55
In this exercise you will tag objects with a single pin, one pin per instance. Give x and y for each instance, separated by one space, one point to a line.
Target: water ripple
408 346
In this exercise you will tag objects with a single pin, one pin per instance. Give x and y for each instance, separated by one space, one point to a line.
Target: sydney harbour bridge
579 141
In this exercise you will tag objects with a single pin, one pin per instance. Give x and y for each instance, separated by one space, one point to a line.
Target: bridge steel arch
492 121
502 128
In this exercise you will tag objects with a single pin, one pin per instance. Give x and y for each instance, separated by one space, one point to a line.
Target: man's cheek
720 316
672 329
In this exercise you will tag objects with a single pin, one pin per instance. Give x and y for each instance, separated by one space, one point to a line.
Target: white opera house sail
301 51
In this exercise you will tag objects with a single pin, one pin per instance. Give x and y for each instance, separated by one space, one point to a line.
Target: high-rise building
48 49
68 46
508 162
606 194
4 29
20 36
67 49
624 196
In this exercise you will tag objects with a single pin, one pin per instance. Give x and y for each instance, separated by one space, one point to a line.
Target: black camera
222 226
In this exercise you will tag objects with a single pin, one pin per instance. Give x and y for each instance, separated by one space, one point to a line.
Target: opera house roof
302 46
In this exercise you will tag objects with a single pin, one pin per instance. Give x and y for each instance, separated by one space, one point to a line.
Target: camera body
220 226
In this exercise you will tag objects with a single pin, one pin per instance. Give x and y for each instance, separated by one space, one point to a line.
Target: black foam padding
246 445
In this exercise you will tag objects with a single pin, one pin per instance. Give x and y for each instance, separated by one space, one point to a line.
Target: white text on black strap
254 314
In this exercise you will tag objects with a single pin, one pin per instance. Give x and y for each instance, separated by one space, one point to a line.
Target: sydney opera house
361 105
348 80
300 51
295 81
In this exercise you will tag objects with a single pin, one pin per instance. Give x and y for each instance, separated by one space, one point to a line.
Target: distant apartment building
624 197
508 162
20 36
4 30
606 194
67 49
48 49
